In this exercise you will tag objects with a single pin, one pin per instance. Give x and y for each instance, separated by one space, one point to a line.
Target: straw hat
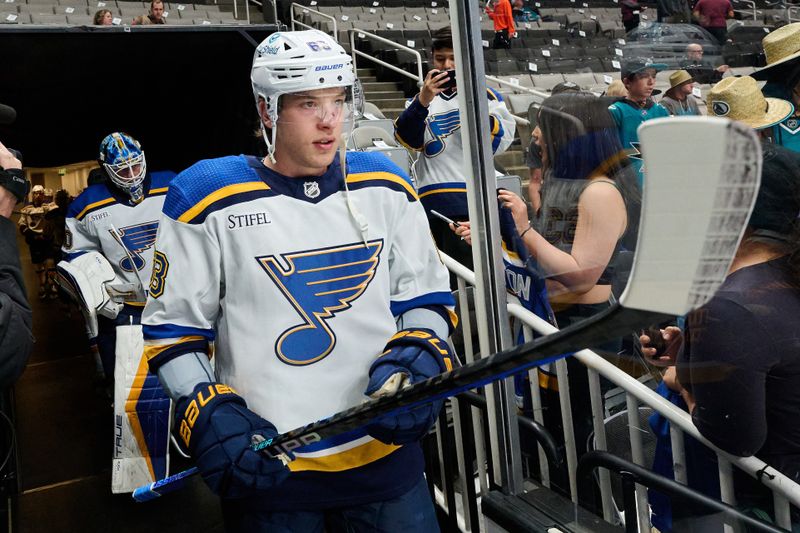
741 99
780 46
679 77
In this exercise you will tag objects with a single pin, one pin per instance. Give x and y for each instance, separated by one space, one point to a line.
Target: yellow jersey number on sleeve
159 275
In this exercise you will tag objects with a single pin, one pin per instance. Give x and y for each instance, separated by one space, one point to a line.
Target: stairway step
384 95
365 72
374 86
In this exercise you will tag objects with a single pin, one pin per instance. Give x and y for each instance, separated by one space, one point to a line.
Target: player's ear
262 112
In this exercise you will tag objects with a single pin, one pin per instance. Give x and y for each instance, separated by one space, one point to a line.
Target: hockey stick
702 183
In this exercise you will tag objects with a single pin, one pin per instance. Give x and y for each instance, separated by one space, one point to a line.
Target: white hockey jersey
435 133
298 301
98 210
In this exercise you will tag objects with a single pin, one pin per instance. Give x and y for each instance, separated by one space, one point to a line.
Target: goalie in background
117 219
108 250
311 277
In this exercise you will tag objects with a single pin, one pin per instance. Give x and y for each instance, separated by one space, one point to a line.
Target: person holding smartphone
430 125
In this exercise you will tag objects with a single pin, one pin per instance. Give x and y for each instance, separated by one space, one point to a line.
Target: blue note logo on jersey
319 284
441 126
137 239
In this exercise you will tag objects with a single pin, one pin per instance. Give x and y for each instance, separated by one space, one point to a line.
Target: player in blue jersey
108 252
639 77
311 278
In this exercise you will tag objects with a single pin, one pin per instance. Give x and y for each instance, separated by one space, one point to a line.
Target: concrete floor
64 436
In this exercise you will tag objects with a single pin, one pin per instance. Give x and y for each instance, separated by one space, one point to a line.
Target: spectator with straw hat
782 73
740 99
679 99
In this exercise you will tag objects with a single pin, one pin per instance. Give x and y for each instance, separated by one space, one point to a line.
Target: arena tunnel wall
185 93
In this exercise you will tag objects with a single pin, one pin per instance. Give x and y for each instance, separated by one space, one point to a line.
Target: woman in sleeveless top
589 201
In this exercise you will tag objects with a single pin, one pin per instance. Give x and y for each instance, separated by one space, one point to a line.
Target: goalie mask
300 62
123 159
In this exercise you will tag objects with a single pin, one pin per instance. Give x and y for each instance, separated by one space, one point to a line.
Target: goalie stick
701 184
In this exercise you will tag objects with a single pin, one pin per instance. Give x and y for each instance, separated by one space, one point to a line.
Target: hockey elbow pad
410 356
217 428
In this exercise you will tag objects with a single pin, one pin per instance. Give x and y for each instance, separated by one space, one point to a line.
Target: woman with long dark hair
589 204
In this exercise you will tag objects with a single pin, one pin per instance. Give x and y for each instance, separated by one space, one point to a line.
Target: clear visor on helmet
333 106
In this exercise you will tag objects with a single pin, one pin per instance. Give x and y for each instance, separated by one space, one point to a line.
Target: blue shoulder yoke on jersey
366 169
211 184
102 195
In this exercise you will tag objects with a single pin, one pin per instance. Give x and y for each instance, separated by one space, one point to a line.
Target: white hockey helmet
300 61
122 157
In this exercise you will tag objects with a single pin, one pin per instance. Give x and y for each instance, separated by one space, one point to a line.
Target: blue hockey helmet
123 159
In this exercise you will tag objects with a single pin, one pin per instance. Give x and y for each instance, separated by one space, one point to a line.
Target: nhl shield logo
311 189
720 108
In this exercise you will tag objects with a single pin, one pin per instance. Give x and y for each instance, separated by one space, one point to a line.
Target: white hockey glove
85 279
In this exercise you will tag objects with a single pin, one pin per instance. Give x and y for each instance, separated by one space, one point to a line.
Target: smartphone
656 340
510 183
451 80
444 218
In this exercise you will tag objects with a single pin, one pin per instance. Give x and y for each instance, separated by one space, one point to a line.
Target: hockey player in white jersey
111 230
311 278
431 125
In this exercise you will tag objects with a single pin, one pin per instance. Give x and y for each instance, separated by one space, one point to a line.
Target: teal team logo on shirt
319 284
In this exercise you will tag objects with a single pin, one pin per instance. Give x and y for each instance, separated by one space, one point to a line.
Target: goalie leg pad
141 417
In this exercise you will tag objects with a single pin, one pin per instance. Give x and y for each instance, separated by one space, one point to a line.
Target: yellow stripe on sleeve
386 176
219 194
440 191
94 205
153 350
359 456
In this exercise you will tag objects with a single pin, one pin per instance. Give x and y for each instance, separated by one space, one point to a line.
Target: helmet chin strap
359 219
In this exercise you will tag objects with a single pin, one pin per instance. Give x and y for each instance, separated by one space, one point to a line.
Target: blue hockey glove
218 429
412 355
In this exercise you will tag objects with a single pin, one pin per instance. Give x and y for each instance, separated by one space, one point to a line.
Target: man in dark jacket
16 339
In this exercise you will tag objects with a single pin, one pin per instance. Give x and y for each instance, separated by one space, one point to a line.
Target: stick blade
701 180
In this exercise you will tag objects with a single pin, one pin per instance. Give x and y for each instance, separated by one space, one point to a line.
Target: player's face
309 131
130 172
444 59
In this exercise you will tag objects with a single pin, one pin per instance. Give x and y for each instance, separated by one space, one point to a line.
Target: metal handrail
307 9
632 473
783 488
541 94
358 53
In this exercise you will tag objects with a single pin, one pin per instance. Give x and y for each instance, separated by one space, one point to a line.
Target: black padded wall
183 92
